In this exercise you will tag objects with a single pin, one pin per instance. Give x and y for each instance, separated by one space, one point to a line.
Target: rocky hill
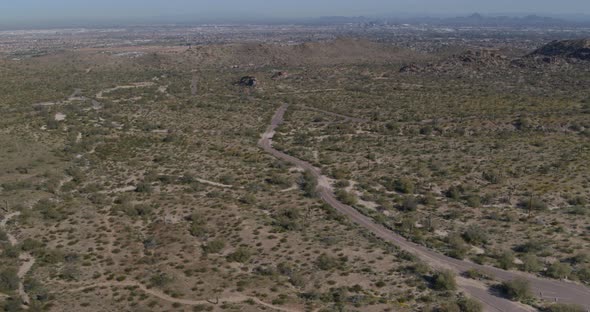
483 59
554 55
339 51
570 49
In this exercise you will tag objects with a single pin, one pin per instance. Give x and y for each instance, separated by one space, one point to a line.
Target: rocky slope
569 49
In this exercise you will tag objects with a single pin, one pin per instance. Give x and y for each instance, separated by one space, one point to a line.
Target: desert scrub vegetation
444 280
560 307
517 289
8 280
127 179
485 159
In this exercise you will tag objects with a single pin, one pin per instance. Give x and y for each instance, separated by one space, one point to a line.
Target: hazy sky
58 9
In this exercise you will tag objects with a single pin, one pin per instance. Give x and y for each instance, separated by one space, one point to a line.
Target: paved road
553 290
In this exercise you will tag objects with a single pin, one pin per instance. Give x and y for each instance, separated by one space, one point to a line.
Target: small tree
326 262
457 247
308 184
530 263
214 246
409 203
241 255
143 187
533 204
506 260
475 235
8 280
404 185
445 280
559 270
469 305
518 289
346 197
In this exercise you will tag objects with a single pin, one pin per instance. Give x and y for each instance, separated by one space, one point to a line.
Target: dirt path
552 290
27 259
213 183
233 298
100 95
27 263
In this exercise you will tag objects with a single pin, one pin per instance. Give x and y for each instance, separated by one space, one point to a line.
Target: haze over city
38 11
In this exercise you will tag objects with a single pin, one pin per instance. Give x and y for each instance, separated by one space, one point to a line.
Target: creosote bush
444 280
518 289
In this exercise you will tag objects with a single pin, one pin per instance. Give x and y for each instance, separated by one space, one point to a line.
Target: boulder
248 81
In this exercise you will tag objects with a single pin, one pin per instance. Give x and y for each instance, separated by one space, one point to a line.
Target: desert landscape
295 168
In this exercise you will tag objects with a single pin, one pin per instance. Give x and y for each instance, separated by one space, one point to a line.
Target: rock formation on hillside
247 81
569 49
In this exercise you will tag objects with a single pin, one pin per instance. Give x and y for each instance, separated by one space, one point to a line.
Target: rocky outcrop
280 75
248 81
568 49
470 60
411 68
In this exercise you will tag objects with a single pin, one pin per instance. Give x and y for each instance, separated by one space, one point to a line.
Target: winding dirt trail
553 290
233 298
26 258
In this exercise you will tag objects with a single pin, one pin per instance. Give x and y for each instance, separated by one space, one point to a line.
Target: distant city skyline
64 10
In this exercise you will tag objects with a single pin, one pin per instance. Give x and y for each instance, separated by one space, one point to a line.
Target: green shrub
288 219
457 247
136 210
241 255
493 177
518 289
409 203
198 230
404 185
160 279
278 179
49 210
448 307
198 226
308 184
143 187
477 274
454 192
8 280
530 263
17 185
473 201
533 204
559 270
12 305
340 174
470 305
248 199
30 244
506 260
475 235
532 246
346 197
444 280
561 307
419 267
326 262
214 246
